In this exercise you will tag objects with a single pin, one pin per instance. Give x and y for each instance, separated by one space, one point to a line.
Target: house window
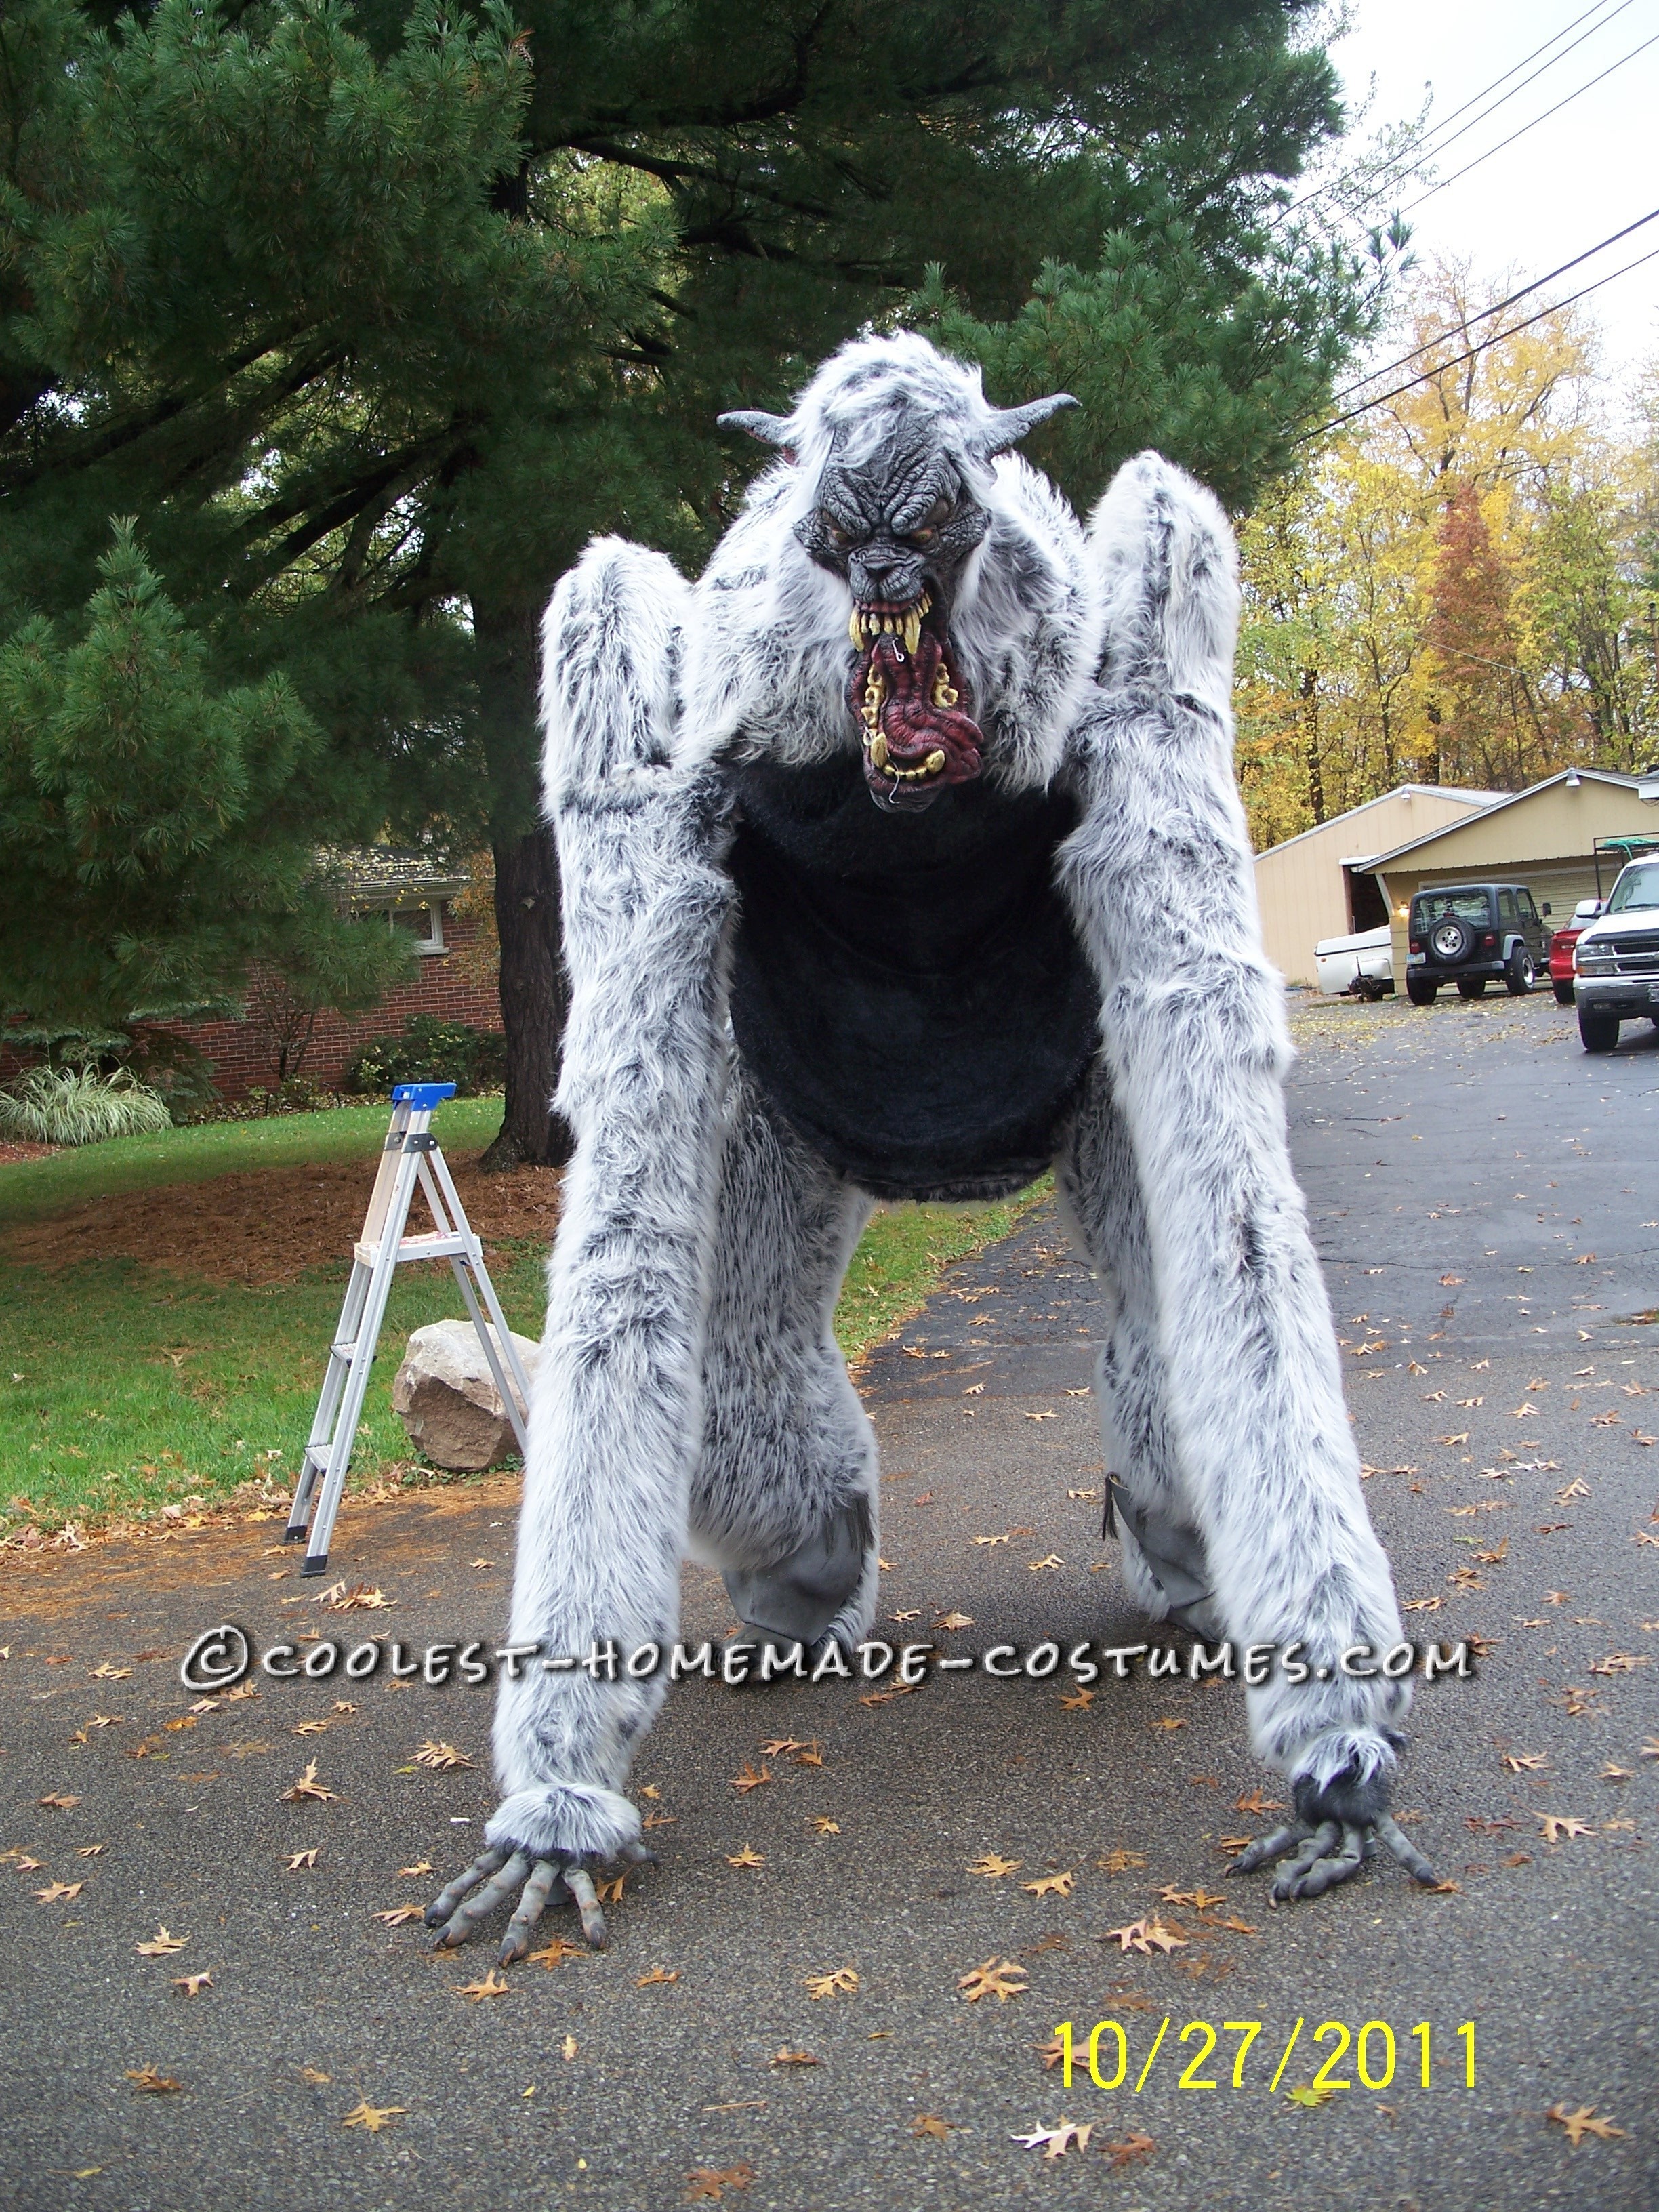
424 923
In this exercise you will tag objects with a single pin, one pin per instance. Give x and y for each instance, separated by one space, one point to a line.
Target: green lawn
125 1389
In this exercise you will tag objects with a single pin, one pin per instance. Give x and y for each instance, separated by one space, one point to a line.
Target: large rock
446 1397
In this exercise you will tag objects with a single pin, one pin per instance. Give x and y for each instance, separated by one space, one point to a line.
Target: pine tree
371 318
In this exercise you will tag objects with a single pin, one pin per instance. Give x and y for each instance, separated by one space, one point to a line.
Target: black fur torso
908 988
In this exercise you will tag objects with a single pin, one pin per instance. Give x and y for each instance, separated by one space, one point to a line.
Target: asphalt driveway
1485 1201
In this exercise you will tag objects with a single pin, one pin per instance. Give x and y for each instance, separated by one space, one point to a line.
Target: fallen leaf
150 2082
1145 1936
841 1983
162 1944
953 1621
610 1893
1558 1824
310 1728
748 1779
567 2049
60 1802
57 1890
1041 1566
1059 2138
1310 2093
308 1789
746 1858
89 1851
823 1825
657 1974
1524 1762
787 2057
1584 2122
994 1868
1168 1721
1619 1662
705 2184
810 1754
440 1758
492 1985
372 2117
303 1859
1051 1885
193 1984
1122 1862
780 1745
994 1979
929 2124
550 1955
1078 1702
1138 2145
399 1913
1256 1802
420 1867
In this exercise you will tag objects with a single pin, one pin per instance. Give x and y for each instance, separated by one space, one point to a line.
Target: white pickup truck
1615 963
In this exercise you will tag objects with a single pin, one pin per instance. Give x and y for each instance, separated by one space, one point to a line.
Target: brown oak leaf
994 1979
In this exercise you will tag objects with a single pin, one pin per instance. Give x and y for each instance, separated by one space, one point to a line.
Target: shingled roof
387 875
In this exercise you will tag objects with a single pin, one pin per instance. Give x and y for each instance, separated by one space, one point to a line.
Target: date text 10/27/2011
1105 2053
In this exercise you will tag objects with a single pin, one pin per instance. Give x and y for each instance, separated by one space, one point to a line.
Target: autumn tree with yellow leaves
1458 586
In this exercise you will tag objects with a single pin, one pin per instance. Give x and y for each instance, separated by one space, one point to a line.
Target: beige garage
1320 884
1543 837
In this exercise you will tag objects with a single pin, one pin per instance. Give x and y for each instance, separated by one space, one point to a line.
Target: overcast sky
1573 179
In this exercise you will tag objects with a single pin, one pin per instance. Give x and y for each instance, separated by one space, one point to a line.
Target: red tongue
911 723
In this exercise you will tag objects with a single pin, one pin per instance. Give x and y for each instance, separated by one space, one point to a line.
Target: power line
1486 313
1473 352
1432 130
1532 126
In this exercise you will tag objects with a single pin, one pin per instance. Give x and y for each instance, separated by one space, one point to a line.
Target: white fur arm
1160 879
615 1410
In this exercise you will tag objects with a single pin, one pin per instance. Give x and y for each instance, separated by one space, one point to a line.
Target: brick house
449 917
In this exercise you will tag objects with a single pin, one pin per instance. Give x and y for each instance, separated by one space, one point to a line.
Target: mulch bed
13 1149
265 1225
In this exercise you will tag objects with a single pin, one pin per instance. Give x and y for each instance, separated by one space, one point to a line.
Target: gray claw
445 1903
639 1854
1268 1847
483 1901
1404 1850
579 1883
1308 1854
1334 1867
533 1903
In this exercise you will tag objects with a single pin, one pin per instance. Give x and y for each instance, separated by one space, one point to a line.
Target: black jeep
1470 934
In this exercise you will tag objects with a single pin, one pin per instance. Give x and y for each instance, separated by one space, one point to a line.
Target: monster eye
840 538
927 529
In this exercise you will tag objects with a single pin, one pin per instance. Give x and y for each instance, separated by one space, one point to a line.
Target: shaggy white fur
691 1398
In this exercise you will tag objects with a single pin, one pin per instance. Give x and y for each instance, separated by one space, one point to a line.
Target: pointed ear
770 430
1010 424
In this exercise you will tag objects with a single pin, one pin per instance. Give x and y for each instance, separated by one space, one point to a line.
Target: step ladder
410 1155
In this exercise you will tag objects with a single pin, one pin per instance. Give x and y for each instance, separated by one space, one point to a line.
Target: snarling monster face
898 529
896 516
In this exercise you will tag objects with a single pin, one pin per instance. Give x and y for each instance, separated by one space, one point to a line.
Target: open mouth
911 702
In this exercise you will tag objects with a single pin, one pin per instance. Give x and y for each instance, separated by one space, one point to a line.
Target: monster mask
897 515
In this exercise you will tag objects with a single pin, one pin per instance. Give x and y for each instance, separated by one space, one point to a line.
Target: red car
1561 945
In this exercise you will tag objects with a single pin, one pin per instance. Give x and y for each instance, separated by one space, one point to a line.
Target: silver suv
1615 963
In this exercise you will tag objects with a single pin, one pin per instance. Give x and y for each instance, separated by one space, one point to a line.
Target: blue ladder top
422 1097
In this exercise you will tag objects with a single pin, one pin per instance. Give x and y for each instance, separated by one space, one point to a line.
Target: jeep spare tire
1451 940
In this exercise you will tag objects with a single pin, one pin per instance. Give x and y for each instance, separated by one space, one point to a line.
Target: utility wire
1420 143
1538 283
1486 344
1532 126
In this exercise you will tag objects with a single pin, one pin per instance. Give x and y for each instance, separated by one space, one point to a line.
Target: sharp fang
935 762
855 629
912 631
878 750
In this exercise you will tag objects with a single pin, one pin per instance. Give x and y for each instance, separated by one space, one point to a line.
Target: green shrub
431 1050
79 1106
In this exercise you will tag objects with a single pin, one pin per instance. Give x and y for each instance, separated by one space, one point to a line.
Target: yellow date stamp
1378 2055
